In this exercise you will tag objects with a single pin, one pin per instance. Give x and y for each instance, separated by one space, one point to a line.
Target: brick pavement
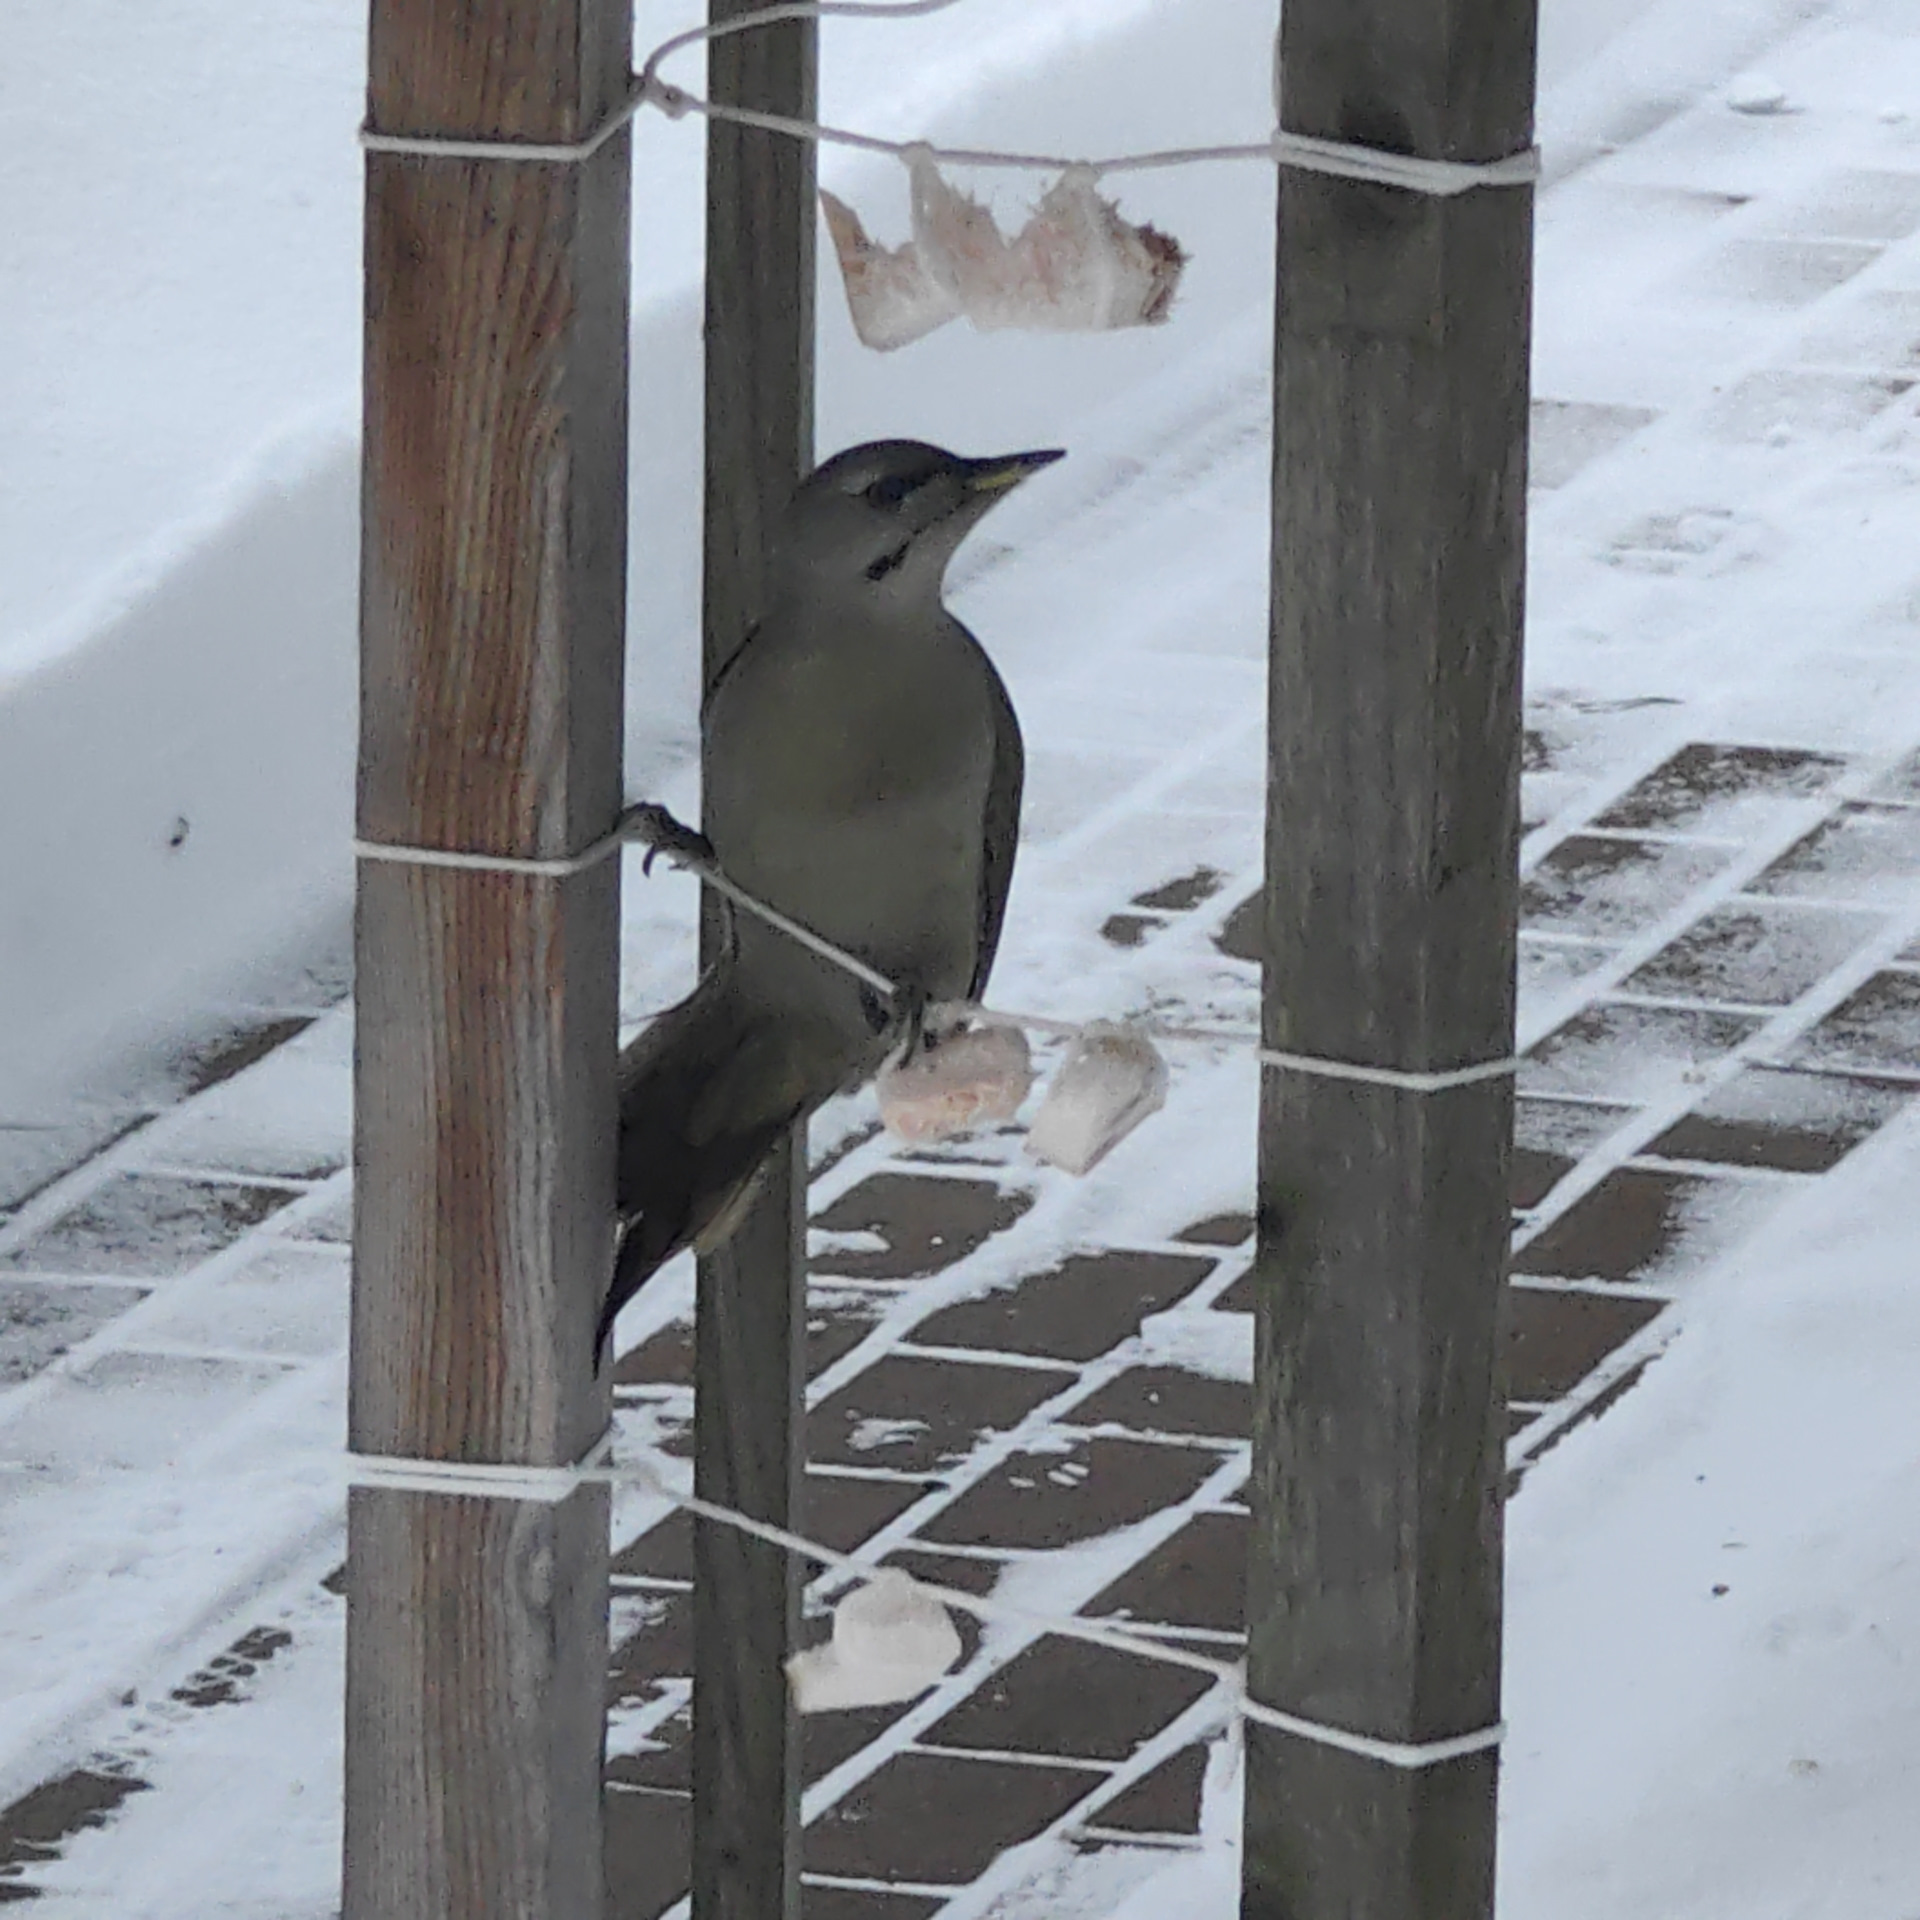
1720 1000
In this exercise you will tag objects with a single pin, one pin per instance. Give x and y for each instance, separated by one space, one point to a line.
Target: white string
1301 152
1406 1080
555 868
482 1479
567 153
548 1485
1400 1077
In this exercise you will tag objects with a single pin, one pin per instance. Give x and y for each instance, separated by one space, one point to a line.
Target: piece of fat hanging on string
1077 266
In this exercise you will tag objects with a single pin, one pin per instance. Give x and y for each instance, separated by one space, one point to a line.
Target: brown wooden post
749 1447
1400 423
493 595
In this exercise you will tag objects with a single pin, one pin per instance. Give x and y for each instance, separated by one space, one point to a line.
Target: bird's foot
661 834
906 1017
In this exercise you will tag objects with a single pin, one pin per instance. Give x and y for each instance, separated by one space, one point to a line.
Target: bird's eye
890 491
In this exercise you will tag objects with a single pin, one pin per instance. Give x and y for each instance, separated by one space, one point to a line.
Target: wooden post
1400 423
749 1374
493 595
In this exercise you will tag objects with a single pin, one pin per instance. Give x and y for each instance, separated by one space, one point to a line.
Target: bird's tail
706 1093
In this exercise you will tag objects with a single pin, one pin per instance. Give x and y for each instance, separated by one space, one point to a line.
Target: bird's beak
999 472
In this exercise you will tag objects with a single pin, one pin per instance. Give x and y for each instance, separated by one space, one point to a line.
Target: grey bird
862 772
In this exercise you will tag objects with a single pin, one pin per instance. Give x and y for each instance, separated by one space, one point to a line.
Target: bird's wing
1001 827
727 665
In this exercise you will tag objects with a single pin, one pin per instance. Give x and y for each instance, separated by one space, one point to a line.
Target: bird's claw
911 1006
661 834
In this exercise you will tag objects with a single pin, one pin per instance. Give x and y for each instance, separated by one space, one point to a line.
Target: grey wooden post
750 1338
1400 422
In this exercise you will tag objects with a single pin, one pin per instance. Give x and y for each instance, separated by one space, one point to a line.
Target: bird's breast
847 786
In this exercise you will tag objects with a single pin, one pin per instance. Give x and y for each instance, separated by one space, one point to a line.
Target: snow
1713 1640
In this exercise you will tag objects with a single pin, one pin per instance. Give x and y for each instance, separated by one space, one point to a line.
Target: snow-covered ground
1714 1620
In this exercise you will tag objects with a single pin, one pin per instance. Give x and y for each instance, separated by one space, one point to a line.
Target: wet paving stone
1238 1298
663 1552
1053 1499
1876 1029
222 1681
1631 1054
1722 791
1754 955
838 1319
648 1851
1171 1400
828 1740
663 1359
1167 1800
1609 889
926 1224
330 1221
1640 1223
965 1573
1184 894
1064 1697
226 1054
1128 929
864 1903
40 1323
1536 1174
1219 1230
842 1511
33 1156
1791 1122
1080 1309
916 1415
659 1648
1565 1129
940 1817
1240 937
34 1828
1198 1578
1861 854
1555 1339
147 1224
1609 1396
662 1761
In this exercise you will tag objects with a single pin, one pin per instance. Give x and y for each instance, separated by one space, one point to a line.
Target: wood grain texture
492 614
1400 417
749 1448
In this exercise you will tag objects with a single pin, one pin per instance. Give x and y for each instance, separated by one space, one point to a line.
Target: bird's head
888 516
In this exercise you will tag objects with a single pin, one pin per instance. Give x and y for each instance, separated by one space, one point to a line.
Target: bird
862 770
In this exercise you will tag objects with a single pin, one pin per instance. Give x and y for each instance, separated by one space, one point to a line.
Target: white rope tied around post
596 1467
1306 153
643 825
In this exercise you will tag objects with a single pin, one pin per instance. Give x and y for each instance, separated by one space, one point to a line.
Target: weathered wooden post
751 1298
493 596
1400 421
